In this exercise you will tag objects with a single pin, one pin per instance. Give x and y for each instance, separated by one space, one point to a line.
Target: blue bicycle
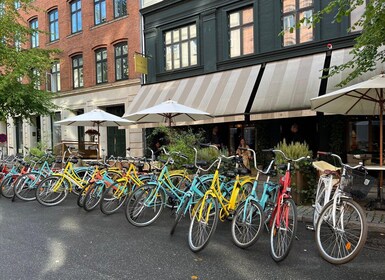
256 210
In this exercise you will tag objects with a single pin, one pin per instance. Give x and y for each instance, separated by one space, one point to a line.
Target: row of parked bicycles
205 193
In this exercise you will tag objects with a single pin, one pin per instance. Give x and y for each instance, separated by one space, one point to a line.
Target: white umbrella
168 111
365 98
97 118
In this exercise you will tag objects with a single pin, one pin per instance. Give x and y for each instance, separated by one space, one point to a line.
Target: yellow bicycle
218 203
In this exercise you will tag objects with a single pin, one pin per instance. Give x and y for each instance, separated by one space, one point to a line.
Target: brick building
95 69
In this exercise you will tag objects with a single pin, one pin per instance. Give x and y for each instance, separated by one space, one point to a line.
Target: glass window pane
289 38
194 52
168 58
305 3
184 33
235 43
248 16
288 22
288 5
124 48
234 19
193 31
248 40
176 56
175 36
168 38
185 59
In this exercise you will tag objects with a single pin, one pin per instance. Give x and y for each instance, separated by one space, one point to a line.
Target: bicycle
196 190
215 204
248 220
55 188
146 203
340 223
284 223
114 196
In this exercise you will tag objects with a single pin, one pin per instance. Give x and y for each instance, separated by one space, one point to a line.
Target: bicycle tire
82 196
6 186
247 224
180 213
93 196
202 228
352 234
50 194
282 237
113 197
25 186
146 197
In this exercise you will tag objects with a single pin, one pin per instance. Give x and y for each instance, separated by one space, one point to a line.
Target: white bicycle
340 223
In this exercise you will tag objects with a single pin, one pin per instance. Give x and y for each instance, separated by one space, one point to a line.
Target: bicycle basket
359 184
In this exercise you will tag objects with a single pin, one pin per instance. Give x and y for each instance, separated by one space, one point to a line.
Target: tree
22 70
368 49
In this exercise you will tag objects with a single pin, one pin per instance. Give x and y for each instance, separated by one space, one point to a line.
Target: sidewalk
375 218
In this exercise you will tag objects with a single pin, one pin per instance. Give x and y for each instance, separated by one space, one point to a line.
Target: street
66 242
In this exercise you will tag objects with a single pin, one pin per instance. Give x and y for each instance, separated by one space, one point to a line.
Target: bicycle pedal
296 237
310 227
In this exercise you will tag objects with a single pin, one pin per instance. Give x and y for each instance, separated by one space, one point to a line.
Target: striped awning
289 85
220 94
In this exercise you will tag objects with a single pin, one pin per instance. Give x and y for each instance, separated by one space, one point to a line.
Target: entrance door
116 138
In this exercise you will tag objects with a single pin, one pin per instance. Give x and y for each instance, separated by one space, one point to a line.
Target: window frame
102 9
241 27
173 45
53 25
55 75
77 12
121 58
118 9
296 15
103 65
34 39
79 68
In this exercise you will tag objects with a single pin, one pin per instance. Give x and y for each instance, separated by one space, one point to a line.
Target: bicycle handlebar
255 161
360 165
276 151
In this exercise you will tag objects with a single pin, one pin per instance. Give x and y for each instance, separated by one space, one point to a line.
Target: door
116 138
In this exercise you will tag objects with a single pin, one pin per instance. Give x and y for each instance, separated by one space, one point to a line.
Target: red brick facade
92 37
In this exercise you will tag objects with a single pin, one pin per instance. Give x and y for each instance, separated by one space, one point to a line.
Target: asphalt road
65 242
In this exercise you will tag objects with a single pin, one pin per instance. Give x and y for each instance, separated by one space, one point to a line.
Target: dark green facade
213 37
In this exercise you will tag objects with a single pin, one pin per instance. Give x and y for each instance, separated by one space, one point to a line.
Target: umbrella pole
98 151
381 146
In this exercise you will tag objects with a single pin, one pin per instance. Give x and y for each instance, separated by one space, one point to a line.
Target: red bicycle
283 226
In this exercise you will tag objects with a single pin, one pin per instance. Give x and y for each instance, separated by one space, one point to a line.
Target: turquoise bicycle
248 221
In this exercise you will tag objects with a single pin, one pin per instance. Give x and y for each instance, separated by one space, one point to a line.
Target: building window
293 12
34 25
181 47
55 85
241 29
53 17
121 62
120 8
101 66
17 5
77 71
100 11
76 16
36 79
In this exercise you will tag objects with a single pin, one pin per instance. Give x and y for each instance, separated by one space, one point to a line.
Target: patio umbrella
96 118
168 111
365 98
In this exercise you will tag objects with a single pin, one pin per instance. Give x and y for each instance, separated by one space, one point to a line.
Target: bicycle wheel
283 230
52 191
25 186
6 186
82 196
342 241
247 224
113 197
180 212
93 196
203 223
145 205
